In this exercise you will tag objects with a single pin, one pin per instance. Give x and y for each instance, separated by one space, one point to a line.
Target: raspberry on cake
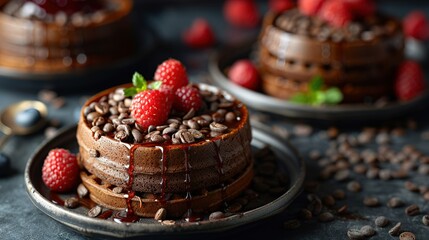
190 162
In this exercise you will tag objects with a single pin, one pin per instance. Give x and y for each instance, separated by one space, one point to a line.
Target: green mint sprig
317 95
140 84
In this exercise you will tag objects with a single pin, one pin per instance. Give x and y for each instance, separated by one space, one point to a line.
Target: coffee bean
355 234
292 224
234 207
102 109
371 202
412 210
190 114
339 194
71 202
372 173
94 212
161 214
128 121
230 117
216 215
91 116
367 231
385 174
125 128
400 174
354 186
425 220
410 186
218 127
169 130
98 134
328 201
193 124
207 117
121 136
117 190
302 130
343 209
196 134
426 196
82 191
137 135
423 169
381 221
395 202
326 217
157 138
394 231
342 175
108 127
187 137
360 168
305 214
168 222
407 236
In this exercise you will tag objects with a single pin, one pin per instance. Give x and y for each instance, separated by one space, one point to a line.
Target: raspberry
150 107
409 81
245 74
361 8
336 13
310 7
241 13
199 35
172 73
60 171
280 5
186 98
416 25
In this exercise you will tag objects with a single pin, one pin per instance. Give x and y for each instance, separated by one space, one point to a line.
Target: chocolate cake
44 38
359 58
192 163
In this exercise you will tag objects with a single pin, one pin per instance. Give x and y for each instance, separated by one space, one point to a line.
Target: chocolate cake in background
360 58
46 37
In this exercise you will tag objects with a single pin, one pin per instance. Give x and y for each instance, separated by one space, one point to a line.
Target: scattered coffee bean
302 130
292 224
216 215
326 217
342 175
410 186
385 174
82 191
328 201
426 196
71 202
407 236
161 214
371 201
342 209
381 221
355 234
305 214
367 231
339 194
94 212
395 202
218 127
394 231
354 186
234 207
412 210
425 220
168 222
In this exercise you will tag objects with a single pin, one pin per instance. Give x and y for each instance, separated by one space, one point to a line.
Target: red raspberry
310 7
416 25
241 13
150 107
199 35
186 98
280 5
409 81
172 73
361 8
60 171
336 13
245 74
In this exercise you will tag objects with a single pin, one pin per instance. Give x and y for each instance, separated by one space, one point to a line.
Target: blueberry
27 117
4 165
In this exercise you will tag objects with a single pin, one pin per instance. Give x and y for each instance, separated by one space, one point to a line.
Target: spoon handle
4 139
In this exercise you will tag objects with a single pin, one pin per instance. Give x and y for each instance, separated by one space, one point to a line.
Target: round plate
257 100
288 159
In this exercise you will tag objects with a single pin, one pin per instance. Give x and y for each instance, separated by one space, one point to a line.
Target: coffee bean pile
295 22
111 115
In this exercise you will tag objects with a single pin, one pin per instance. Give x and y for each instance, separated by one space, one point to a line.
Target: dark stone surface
19 219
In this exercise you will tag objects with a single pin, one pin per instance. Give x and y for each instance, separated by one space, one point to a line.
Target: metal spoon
10 127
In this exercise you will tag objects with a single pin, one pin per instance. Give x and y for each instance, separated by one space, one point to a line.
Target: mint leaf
129 92
300 98
316 84
318 98
139 82
333 95
155 85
